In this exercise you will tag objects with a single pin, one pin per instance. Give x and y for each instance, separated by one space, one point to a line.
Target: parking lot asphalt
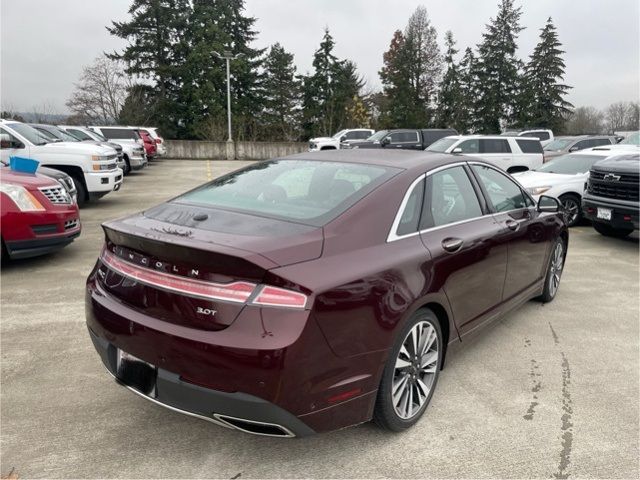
551 391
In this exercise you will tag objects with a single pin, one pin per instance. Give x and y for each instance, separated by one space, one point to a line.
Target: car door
496 151
525 230
11 146
460 233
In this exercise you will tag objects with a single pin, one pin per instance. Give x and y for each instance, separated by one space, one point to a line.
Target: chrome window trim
393 236
505 174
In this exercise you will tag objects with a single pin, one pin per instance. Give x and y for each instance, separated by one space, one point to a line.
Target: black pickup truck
611 199
404 139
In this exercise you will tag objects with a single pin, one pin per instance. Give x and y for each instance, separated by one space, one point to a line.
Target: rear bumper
624 215
32 248
266 367
232 410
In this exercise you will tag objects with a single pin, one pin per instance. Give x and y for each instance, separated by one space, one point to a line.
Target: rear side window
504 193
601 141
119 133
449 198
302 191
529 146
410 219
498 145
469 146
404 137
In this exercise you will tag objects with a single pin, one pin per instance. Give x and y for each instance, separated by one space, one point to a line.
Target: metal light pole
228 56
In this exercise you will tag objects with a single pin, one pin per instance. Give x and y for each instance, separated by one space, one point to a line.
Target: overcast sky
45 43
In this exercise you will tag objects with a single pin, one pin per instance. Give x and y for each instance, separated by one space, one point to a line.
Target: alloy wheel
415 370
555 269
572 210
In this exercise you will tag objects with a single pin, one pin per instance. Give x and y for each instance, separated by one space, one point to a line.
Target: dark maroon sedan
317 291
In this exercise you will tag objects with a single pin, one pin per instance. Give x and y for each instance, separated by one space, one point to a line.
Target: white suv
511 154
333 143
93 168
130 141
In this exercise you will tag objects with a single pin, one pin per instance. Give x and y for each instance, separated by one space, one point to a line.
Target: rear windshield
559 144
529 146
301 191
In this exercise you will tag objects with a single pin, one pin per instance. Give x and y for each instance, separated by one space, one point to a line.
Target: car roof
604 151
491 137
403 159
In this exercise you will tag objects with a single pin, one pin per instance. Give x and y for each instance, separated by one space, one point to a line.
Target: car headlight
99 167
538 190
313 146
99 158
23 199
138 150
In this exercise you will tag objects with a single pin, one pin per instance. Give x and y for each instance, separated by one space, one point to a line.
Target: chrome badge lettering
206 311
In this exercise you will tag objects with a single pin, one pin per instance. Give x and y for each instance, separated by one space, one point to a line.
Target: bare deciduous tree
101 91
585 120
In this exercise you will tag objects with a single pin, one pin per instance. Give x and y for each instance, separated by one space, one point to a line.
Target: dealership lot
548 391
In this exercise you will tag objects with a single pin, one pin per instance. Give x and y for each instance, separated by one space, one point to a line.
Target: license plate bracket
604 213
136 373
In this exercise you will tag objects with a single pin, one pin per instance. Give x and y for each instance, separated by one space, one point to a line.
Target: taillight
279 297
230 292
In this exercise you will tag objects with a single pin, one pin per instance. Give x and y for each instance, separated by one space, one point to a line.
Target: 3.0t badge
206 311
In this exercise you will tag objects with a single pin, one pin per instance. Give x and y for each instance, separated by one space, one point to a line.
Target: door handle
452 244
512 225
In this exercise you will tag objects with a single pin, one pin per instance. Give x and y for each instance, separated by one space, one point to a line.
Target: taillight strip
280 297
231 292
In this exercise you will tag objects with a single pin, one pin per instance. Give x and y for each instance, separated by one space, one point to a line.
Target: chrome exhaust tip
254 427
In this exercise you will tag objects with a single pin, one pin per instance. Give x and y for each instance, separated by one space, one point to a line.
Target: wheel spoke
398 389
428 359
401 363
432 338
422 387
414 339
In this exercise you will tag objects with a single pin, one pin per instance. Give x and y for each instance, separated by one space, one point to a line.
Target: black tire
609 231
4 254
83 197
327 148
554 273
385 414
127 165
573 206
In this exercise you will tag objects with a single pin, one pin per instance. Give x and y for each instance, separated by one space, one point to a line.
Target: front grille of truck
56 195
619 186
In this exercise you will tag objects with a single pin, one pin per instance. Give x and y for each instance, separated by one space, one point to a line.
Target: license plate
604 213
136 373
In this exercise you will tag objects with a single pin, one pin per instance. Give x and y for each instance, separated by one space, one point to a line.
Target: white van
511 154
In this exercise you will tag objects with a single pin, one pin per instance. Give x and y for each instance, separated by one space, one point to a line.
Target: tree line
169 76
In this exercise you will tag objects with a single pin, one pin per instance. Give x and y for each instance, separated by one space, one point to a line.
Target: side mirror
385 141
574 149
343 138
456 150
548 204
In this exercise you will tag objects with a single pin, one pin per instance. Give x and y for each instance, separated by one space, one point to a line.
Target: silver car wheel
572 210
555 269
415 370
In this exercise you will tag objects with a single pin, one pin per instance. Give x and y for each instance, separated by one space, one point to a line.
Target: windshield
442 145
376 137
633 139
570 164
339 134
30 134
301 191
559 144
60 134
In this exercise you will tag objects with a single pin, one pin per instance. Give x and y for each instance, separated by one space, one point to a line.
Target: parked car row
76 165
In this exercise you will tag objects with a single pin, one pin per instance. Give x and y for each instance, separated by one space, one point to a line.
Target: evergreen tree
498 70
542 102
156 50
410 75
450 96
282 113
328 91
395 81
424 66
357 113
221 26
468 84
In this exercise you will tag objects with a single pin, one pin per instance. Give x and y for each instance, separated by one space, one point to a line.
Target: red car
322 290
150 147
38 215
